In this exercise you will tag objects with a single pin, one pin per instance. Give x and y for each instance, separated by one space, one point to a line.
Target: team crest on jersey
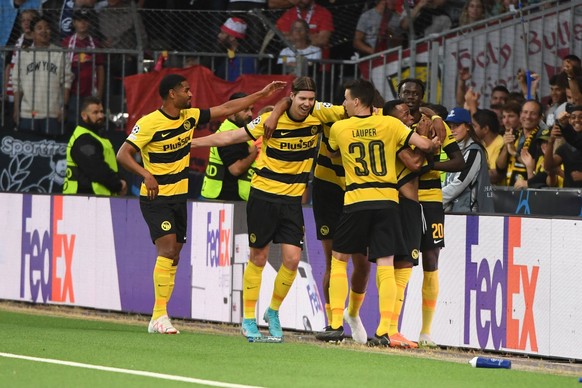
187 125
166 225
326 104
135 129
314 130
324 230
414 254
252 238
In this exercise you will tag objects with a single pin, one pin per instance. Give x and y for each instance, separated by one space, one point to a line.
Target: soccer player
328 201
430 195
408 169
274 212
368 145
163 138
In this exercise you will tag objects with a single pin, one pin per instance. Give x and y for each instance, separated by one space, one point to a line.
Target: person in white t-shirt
301 46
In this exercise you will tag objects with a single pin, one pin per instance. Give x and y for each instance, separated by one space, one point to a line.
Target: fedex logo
47 254
218 240
314 299
500 291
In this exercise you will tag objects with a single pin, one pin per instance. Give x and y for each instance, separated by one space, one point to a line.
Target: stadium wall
507 283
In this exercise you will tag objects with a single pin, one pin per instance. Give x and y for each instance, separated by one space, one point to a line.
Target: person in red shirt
320 22
86 66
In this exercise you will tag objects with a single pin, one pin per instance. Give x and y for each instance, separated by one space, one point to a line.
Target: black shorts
268 221
434 217
165 218
328 203
411 221
376 231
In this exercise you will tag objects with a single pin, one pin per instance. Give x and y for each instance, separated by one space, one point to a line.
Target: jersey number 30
372 157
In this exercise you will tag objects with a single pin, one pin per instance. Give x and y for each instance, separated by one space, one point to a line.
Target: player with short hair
368 145
411 91
410 164
274 212
328 201
163 139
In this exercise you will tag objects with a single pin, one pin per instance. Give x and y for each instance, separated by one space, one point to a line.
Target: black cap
82 14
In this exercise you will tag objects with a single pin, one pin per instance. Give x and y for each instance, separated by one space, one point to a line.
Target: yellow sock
328 313
401 276
338 291
283 282
430 293
355 303
173 271
251 287
386 296
162 279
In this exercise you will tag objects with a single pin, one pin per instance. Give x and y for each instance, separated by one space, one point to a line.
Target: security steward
91 164
230 168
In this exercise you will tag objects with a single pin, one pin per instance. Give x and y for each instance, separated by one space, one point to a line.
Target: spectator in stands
486 127
498 98
510 117
319 19
566 155
42 82
572 67
8 15
301 46
88 70
536 176
467 190
231 67
378 29
428 17
558 86
24 40
510 157
120 27
473 12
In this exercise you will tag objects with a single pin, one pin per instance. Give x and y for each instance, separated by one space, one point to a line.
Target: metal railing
192 39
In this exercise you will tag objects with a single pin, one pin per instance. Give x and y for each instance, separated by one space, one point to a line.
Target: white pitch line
128 371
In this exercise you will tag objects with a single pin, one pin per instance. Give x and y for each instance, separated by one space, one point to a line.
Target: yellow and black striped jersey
164 143
368 147
403 173
429 186
329 167
286 158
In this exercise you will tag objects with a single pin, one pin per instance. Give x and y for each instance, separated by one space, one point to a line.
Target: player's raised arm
222 139
233 106
270 123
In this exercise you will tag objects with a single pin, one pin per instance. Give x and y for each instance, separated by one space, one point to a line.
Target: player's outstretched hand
273 87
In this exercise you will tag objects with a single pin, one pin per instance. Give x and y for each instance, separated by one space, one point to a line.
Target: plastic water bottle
484 362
